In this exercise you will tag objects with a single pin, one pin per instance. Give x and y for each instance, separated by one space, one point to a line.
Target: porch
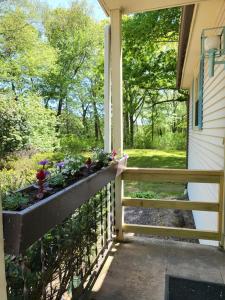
137 268
93 234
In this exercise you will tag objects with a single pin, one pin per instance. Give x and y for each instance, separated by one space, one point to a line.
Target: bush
42 123
25 123
14 133
72 144
168 141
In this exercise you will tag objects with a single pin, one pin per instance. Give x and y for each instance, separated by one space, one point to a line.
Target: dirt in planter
31 192
161 217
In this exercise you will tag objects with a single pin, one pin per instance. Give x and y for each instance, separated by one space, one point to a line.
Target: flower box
23 228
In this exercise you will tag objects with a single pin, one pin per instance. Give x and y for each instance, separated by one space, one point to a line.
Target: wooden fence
178 176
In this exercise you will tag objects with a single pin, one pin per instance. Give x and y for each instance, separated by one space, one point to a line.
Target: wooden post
117 110
3 294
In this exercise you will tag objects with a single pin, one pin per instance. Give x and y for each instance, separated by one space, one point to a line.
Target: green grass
145 158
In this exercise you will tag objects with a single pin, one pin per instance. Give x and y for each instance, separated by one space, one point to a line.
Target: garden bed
22 228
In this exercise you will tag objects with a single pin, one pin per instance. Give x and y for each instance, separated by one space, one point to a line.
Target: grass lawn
145 158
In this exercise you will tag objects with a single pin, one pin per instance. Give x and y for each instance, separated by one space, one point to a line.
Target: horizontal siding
206 149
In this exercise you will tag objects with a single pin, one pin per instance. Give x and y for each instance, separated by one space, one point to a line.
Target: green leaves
23 55
14 201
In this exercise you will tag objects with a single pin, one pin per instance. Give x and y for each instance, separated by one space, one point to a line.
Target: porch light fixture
213 47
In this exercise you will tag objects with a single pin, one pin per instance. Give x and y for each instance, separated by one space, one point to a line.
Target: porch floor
136 268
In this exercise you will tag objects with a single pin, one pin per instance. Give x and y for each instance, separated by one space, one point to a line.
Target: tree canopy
52 62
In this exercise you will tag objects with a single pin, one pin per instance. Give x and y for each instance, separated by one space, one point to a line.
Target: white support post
117 109
3 294
107 91
107 110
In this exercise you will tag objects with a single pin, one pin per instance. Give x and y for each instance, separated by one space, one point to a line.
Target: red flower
114 153
41 175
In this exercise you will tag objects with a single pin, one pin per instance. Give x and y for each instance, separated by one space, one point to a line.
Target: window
197 98
195 95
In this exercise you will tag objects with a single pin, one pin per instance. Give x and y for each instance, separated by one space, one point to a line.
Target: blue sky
97 10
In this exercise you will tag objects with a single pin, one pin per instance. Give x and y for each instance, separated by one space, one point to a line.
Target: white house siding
206 149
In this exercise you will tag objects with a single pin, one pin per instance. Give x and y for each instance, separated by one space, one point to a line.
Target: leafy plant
57 180
14 201
101 156
72 165
14 126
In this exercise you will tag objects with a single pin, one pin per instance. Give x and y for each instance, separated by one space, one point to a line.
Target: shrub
14 133
25 123
42 123
72 144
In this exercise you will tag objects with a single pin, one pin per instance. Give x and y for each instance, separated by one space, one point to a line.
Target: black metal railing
67 259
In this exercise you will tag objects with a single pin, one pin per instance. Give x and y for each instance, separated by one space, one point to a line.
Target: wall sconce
213 47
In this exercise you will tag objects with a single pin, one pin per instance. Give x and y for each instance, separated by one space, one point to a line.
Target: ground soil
161 217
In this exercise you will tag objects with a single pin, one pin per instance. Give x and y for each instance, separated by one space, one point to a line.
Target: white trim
134 6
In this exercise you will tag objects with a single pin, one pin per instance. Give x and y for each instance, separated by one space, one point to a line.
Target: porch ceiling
134 6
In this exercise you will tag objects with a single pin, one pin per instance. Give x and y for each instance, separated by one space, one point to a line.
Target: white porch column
107 91
117 109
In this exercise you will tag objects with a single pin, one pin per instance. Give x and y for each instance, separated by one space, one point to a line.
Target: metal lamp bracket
213 54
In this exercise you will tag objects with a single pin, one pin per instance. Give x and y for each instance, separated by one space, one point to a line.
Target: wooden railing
178 176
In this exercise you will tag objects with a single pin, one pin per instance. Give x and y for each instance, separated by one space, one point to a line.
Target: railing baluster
65 258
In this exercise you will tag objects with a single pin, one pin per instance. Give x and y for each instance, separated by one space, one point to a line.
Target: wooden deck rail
177 175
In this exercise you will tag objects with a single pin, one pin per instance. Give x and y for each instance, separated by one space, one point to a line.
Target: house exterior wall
206 149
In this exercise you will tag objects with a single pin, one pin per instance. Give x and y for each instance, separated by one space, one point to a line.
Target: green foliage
24 56
21 170
56 180
15 129
72 165
14 201
72 144
101 156
51 259
166 141
145 195
42 123
149 71
145 158
25 123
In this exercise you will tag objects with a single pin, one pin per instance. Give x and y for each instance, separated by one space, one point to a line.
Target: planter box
23 228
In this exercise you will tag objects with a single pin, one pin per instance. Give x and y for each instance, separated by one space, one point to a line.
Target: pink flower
114 153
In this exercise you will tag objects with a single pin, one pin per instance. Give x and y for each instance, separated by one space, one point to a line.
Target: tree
24 56
72 34
150 50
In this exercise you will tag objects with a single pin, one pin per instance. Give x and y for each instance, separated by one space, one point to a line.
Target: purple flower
60 164
47 173
43 162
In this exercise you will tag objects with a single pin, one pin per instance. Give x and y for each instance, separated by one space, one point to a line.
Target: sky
97 11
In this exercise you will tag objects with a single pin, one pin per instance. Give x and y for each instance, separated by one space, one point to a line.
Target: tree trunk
126 128
152 125
98 132
60 105
131 130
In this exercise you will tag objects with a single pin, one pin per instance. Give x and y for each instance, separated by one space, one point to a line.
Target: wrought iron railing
66 260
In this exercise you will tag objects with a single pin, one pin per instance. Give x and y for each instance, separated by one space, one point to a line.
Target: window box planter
23 228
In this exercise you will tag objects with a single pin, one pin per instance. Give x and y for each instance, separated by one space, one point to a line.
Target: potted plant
59 190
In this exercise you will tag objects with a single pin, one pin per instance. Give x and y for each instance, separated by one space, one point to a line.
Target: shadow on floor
136 269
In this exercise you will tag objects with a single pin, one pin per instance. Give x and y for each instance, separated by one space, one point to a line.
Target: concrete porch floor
136 269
